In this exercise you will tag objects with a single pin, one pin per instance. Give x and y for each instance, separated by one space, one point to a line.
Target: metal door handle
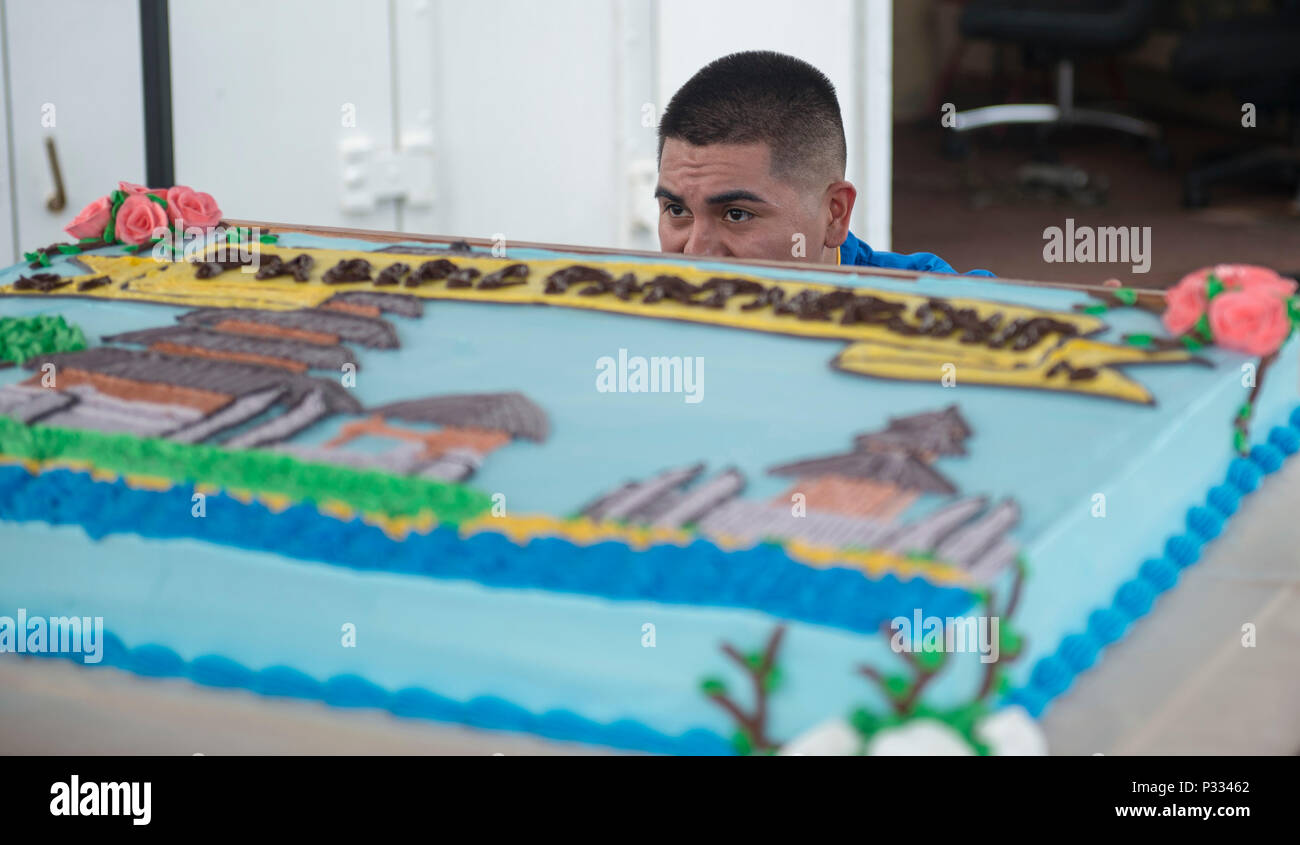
56 201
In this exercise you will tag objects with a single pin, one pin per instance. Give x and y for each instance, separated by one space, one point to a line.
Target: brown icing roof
934 432
898 468
513 413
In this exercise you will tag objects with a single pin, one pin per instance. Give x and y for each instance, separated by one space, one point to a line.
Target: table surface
1181 682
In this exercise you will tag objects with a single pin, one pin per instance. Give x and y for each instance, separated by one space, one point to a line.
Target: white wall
8 232
73 74
265 93
534 120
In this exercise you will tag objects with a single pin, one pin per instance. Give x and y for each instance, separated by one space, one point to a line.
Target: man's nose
703 240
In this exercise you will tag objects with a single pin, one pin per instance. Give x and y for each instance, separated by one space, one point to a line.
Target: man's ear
838 205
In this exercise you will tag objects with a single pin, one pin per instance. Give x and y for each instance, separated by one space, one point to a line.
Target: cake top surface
954 402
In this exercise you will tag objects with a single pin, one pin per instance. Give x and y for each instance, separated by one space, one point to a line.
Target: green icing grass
25 337
258 471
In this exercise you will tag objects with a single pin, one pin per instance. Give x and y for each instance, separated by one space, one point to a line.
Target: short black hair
761 95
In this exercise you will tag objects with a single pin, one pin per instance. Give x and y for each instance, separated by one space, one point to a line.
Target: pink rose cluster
1249 311
138 217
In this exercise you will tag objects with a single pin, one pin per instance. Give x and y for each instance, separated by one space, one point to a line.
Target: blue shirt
854 251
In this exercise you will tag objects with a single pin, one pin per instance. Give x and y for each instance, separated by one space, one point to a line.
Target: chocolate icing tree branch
764 674
905 692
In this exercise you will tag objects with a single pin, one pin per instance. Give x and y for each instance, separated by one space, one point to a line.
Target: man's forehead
753 159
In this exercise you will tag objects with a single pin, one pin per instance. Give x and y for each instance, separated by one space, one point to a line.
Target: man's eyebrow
734 196
661 191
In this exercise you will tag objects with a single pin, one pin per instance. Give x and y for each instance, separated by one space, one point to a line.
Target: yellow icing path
522 529
873 350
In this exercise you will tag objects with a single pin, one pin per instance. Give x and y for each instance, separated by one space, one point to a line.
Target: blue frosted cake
655 504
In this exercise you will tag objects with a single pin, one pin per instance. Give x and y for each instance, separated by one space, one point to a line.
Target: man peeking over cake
751 165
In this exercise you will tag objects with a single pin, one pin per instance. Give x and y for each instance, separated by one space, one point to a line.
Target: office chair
1060 32
1258 58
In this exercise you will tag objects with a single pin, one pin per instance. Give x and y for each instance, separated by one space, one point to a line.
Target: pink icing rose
194 208
1243 277
1186 301
1184 304
1252 321
92 219
1250 277
129 188
138 218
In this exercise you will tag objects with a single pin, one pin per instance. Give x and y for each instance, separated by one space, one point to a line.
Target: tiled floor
1183 682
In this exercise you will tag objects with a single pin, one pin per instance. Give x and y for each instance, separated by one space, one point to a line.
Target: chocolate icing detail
43 282
559 281
430 271
209 269
299 267
347 270
1079 374
392 274
91 284
462 278
511 274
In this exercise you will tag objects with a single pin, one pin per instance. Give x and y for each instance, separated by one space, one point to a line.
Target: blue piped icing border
761 578
1052 675
487 712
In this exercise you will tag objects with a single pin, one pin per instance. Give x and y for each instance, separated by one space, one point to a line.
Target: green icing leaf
1128 296
269 239
864 722
1202 328
713 686
1191 343
44 260
117 198
157 199
1009 642
31 256
1095 309
963 719
742 743
1139 339
1239 441
931 660
897 685
1245 411
1213 287
774 680
68 249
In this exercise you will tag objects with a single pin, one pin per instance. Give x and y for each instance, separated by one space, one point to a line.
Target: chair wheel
955 146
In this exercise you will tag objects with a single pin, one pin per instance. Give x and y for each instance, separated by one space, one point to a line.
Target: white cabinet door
535 110
8 251
74 76
267 96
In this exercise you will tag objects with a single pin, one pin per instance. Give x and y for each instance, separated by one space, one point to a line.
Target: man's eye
672 209
737 215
